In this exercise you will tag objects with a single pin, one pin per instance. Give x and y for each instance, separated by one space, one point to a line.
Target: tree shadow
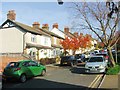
81 70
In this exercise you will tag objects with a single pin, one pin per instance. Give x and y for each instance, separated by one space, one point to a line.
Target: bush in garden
46 61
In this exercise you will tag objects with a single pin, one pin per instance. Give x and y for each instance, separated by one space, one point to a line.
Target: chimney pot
11 15
66 30
55 25
45 26
76 34
36 25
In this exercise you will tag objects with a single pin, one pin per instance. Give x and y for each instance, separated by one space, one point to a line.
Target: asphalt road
57 77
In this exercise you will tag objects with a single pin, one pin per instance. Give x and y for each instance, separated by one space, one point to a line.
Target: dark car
69 60
22 70
80 58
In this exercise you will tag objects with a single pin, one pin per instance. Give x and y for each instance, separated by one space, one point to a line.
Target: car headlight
101 66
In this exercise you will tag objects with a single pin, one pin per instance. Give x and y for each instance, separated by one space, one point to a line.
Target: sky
42 12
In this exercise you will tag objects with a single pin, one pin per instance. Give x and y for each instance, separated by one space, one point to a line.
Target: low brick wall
4 60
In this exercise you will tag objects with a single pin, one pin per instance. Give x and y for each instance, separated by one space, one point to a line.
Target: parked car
96 64
96 51
105 55
69 60
92 53
80 58
104 51
22 70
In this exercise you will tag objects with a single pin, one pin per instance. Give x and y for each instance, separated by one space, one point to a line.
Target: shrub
113 70
46 61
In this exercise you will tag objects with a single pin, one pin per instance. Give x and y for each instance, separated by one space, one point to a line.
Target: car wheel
61 63
43 73
23 78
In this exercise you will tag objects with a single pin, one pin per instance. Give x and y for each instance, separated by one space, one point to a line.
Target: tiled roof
69 34
26 28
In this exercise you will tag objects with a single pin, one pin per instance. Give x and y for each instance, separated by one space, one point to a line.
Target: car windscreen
95 59
13 64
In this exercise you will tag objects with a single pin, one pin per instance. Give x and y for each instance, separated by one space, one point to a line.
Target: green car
22 70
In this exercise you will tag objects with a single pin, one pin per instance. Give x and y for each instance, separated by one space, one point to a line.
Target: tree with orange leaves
65 44
77 42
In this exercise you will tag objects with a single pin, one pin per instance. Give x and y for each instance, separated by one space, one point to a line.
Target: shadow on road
43 83
78 70
81 70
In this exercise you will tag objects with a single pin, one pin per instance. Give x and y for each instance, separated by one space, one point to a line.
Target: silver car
96 64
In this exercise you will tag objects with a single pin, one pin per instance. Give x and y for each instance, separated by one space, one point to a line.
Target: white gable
58 32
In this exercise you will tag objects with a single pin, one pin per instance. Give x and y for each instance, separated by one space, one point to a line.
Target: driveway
57 77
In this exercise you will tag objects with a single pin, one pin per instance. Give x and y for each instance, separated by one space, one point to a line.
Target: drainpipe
24 41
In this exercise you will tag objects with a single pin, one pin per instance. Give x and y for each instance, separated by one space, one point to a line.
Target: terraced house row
19 38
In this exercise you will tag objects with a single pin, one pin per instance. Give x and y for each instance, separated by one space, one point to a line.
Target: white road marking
94 81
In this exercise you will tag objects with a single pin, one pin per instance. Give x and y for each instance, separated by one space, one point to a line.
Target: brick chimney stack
76 34
55 25
36 25
66 30
45 26
11 15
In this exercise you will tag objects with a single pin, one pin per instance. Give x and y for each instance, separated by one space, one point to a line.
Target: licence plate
93 69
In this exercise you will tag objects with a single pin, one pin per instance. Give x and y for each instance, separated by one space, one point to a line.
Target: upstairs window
33 38
46 41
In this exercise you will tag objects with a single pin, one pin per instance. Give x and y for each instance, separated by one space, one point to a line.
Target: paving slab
111 81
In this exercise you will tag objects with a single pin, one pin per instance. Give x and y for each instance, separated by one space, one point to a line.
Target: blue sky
43 12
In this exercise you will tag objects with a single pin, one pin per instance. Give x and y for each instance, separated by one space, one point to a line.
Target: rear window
95 59
13 64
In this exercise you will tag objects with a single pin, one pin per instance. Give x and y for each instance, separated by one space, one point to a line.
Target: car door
34 67
27 69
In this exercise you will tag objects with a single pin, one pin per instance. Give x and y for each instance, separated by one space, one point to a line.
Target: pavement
111 82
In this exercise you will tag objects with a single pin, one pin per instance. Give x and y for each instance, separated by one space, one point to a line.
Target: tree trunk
74 52
65 52
111 59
